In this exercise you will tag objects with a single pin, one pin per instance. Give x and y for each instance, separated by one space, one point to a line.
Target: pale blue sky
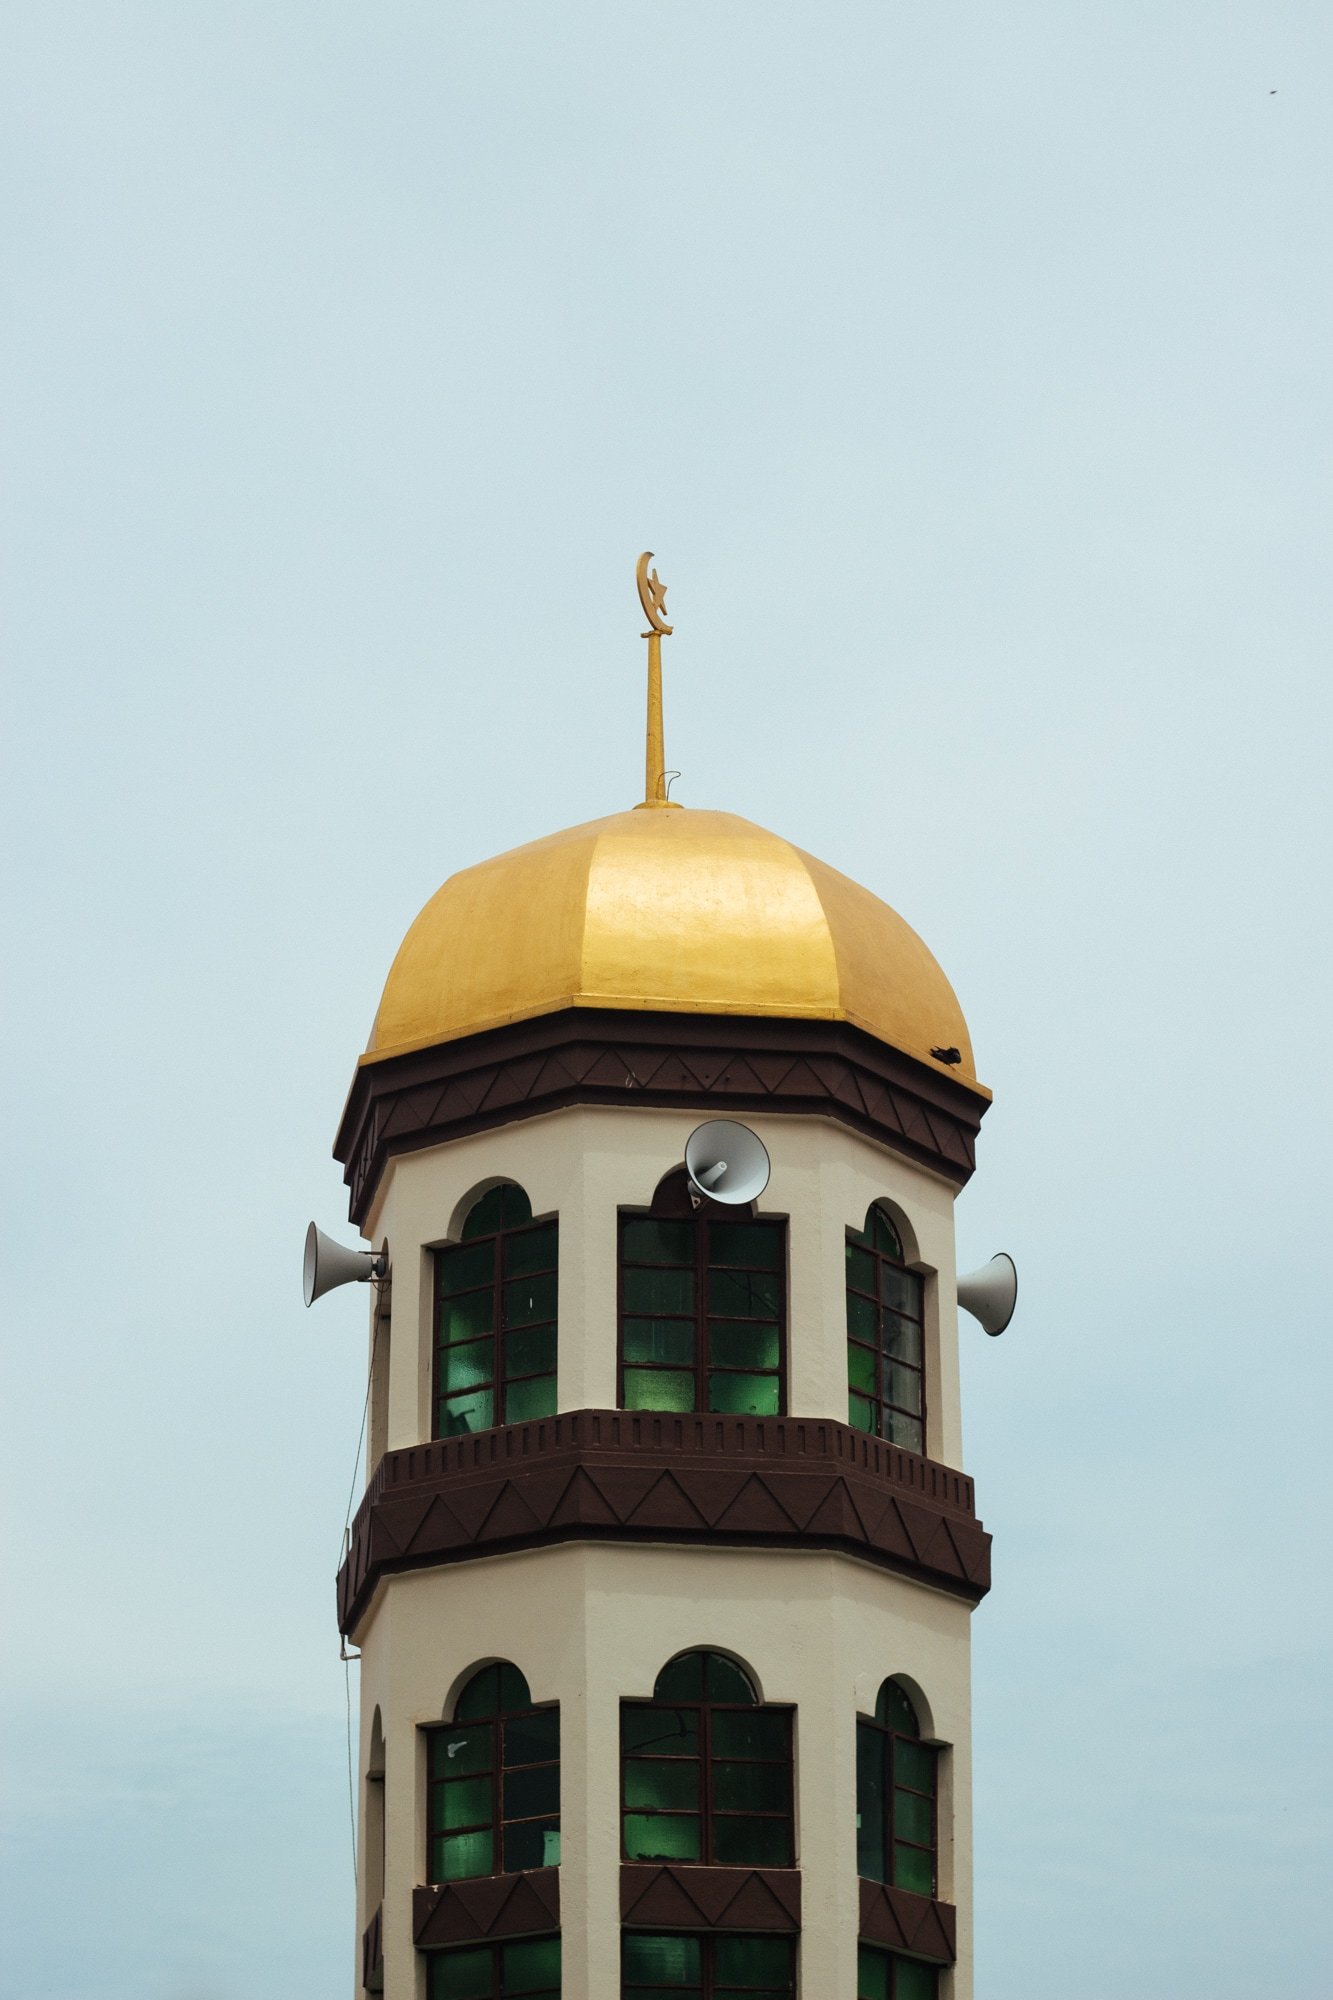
968 368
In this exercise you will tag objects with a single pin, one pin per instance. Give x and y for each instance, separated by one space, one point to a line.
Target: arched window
675 1966
494 1781
886 1377
522 1969
372 1838
495 1317
895 1795
884 1975
706 1769
702 1307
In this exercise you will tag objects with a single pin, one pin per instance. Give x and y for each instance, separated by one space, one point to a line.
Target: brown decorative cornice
596 1475
491 1906
679 1897
717 1063
905 1921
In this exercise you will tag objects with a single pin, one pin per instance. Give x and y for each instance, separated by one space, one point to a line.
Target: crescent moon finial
652 595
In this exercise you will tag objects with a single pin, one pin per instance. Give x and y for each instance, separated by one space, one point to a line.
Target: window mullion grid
497 1323
626 1266
896 1840
505 1377
703 1346
698 1811
886 1789
505 1768
882 1306
705 1783
497 1796
783 1815
874 1346
738 1319
885 1304
890 1773
439 1787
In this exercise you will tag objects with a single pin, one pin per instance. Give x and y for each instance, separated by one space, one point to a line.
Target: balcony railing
598 1474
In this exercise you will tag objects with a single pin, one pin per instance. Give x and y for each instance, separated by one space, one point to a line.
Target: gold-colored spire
652 596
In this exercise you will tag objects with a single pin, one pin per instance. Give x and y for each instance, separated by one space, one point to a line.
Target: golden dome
676 911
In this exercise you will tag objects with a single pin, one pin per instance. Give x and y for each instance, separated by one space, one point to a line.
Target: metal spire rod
652 596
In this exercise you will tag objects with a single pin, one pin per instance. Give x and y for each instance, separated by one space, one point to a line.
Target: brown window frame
498 1823
672 1203
880 1730
500 1382
887 1299
708 1812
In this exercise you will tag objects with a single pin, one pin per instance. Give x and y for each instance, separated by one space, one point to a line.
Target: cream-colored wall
592 1623
584 1164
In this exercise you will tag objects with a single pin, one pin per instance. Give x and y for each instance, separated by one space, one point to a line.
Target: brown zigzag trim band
716 1063
907 1922
675 1896
594 1475
489 1906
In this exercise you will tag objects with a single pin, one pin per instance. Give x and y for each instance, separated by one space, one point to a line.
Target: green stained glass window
530 1251
658 1389
645 1241
676 1966
464 1367
530 1353
662 1836
702 1311
683 1679
664 1343
496 1318
896 1795
882 1236
706 1770
657 1291
649 1962
743 1395
462 1975
886 1975
736 1344
493 1778
532 1738
523 1969
860 1369
658 1730
861 1413
743 1962
461 1415
886 1381
661 1785
526 1400
465 1268
749 1787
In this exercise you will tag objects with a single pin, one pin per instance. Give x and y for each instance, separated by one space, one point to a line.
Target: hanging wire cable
361 1434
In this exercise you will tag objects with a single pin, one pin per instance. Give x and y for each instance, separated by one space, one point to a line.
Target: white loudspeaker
991 1293
328 1264
727 1162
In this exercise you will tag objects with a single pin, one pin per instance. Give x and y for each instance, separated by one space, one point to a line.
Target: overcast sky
967 367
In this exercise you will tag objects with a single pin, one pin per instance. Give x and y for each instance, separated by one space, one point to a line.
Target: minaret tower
663 1574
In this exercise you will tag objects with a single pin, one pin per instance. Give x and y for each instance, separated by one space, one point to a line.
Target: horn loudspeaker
727 1162
329 1264
991 1293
